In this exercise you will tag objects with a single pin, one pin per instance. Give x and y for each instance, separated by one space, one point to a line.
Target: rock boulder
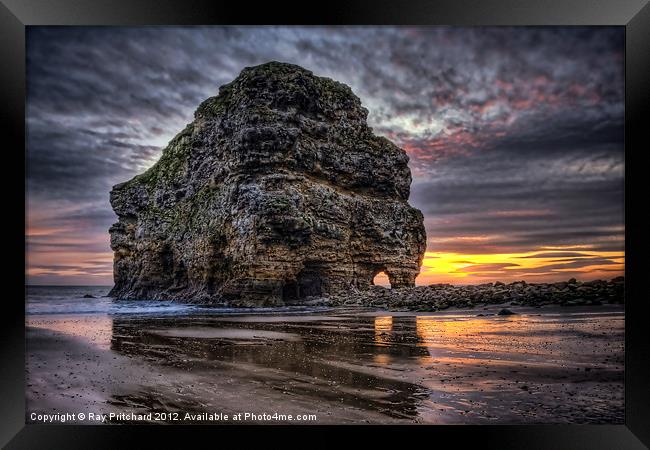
277 191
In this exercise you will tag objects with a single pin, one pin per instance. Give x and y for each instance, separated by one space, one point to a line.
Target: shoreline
105 381
435 297
344 364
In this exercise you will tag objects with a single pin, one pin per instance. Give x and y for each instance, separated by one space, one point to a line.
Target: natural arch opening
381 279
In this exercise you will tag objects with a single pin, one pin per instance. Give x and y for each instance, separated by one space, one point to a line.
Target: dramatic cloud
515 134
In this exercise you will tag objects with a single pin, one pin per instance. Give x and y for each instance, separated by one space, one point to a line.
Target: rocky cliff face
277 191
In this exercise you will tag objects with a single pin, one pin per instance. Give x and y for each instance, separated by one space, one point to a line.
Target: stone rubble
438 297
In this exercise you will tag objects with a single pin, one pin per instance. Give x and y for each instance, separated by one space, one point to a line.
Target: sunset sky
515 135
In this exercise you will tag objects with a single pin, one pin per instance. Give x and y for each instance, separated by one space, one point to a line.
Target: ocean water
69 300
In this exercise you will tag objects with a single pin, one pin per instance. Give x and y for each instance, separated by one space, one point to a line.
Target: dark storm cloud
522 202
514 134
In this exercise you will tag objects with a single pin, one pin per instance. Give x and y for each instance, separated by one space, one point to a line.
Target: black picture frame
634 15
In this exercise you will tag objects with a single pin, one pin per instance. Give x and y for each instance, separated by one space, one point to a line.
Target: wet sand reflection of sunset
383 328
540 366
95 329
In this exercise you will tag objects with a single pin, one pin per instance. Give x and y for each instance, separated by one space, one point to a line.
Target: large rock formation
278 190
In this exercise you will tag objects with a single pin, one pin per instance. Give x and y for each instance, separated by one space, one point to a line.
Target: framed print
415 219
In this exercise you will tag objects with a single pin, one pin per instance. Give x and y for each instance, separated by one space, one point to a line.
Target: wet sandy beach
350 366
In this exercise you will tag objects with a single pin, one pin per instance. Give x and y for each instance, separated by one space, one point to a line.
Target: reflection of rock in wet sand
298 358
234 334
538 366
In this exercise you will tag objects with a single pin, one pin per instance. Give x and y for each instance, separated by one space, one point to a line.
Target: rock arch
259 206
381 279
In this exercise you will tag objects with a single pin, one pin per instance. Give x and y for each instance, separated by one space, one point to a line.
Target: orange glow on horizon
68 257
462 268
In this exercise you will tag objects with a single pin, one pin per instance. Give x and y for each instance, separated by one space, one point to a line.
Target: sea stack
277 191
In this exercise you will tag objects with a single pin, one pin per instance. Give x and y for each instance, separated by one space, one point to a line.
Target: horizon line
430 284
